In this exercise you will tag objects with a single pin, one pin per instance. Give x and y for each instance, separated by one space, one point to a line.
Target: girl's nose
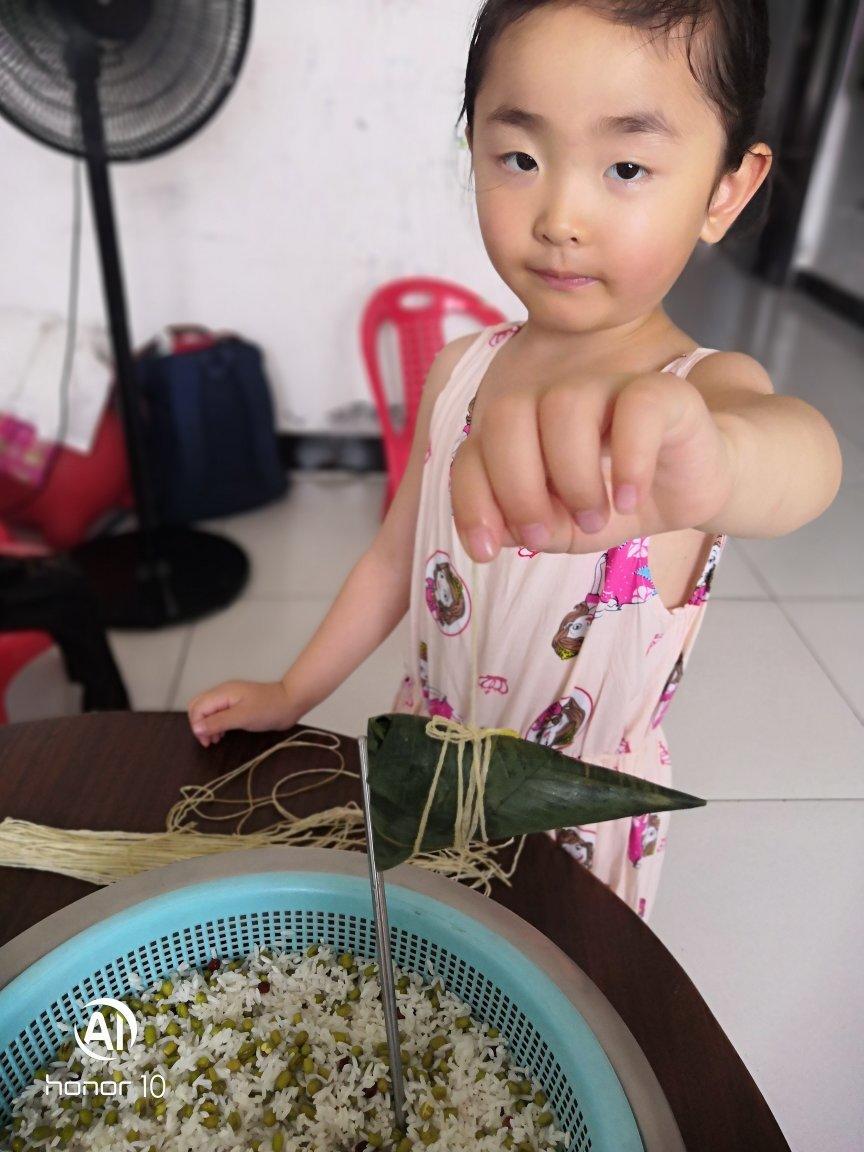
560 229
561 222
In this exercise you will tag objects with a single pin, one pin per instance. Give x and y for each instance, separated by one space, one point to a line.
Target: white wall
332 168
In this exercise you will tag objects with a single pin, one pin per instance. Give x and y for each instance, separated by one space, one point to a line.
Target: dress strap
681 365
483 346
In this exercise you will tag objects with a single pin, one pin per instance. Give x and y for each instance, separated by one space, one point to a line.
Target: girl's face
442 587
611 176
577 627
551 729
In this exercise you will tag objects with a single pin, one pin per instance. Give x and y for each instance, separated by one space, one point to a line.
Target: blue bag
211 434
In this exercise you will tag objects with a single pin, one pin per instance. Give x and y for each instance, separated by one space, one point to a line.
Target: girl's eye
627 172
520 156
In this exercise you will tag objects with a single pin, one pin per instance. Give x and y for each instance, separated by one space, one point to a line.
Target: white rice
348 1113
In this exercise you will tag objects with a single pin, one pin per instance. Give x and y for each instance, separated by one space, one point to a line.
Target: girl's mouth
564 283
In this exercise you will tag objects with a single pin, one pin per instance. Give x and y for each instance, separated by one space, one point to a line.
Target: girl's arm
376 594
785 457
580 465
370 604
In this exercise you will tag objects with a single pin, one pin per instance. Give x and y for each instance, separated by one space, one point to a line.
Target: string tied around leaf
101 857
470 808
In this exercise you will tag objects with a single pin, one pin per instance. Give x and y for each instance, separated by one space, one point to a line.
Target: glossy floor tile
151 664
307 543
759 904
822 560
834 631
258 640
41 689
755 715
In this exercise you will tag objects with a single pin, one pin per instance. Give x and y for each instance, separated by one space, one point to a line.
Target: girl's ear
734 191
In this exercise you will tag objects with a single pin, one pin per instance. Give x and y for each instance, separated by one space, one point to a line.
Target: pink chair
416 308
17 648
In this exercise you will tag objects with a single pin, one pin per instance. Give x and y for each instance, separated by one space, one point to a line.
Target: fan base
192 574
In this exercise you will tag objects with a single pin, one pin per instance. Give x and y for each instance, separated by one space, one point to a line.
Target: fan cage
155 90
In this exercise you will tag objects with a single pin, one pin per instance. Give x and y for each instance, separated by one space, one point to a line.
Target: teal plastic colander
501 982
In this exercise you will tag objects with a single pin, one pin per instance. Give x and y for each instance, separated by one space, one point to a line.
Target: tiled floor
761 897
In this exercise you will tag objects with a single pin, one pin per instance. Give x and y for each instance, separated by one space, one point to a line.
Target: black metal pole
160 574
86 71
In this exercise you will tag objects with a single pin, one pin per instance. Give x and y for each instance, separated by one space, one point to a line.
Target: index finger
475 514
513 459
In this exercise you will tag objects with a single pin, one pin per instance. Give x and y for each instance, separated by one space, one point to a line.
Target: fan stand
157 575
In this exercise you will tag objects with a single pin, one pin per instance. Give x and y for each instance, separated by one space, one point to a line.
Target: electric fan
117 80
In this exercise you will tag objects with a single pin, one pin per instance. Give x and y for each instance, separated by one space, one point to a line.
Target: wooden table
124 771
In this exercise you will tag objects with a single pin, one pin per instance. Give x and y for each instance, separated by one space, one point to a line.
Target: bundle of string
470 817
470 794
100 857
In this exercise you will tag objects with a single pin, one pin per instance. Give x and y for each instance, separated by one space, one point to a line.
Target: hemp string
100 857
470 799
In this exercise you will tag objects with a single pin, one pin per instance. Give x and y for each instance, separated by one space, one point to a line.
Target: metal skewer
385 964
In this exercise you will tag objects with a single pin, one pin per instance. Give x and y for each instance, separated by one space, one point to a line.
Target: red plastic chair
17 648
417 308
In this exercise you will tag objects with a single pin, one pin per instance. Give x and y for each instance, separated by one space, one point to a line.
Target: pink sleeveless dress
575 652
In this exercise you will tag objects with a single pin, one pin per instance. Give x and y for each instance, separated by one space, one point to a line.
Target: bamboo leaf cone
529 788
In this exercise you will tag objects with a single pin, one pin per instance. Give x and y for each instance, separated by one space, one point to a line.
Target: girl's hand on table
532 473
246 704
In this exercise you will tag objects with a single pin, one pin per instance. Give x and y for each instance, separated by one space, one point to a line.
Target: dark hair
729 64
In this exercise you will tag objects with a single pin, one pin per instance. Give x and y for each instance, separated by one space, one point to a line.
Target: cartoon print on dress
578 842
703 589
405 695
621 577
572 631
494 340
663 751
624 748
668 692
463 435
447 597
557 725
494 684
467 429
526 553
644 835
436 703
657 636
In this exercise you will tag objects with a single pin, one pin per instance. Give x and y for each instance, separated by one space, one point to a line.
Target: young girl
574 477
